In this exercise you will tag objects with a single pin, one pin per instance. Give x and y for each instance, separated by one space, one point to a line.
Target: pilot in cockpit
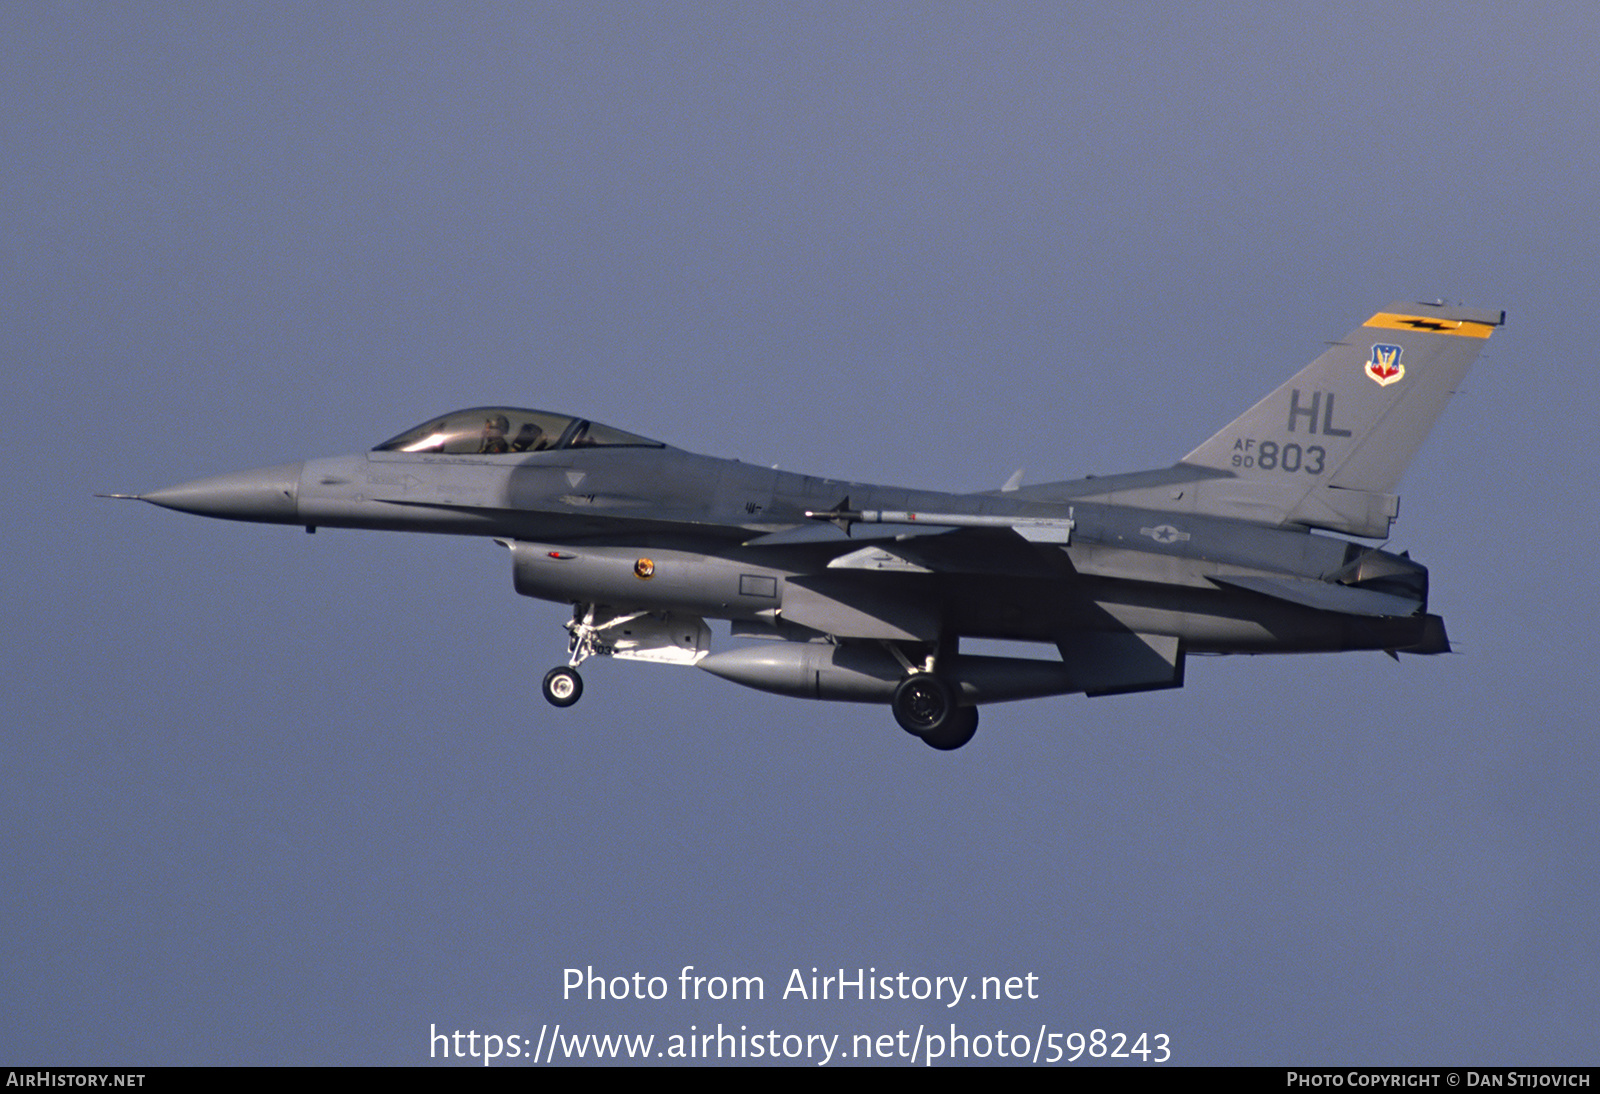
494 435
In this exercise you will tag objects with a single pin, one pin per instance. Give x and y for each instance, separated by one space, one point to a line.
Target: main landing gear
925 707
925 702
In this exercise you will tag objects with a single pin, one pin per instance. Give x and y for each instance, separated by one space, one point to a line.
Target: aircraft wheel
922 704
956 731
563 686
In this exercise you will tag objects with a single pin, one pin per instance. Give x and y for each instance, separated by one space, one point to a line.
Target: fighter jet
862 593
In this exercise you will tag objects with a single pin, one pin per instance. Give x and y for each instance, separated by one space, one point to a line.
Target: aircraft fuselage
865 592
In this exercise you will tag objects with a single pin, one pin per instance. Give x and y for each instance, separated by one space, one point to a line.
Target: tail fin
1327 449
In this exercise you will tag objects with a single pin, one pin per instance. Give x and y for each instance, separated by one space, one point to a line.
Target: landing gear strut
562 684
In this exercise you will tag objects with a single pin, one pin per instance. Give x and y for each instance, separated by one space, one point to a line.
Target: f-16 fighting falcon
863 593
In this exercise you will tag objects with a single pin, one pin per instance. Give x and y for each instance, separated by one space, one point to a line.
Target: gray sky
272 798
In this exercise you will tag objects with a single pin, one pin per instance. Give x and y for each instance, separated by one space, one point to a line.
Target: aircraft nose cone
266 494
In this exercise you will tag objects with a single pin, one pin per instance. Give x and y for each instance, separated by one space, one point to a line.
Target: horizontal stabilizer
1434 639
1324 596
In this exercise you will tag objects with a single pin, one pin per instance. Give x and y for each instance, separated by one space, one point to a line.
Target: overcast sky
275 798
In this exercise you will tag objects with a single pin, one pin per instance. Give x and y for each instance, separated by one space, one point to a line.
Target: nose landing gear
563 686
595 630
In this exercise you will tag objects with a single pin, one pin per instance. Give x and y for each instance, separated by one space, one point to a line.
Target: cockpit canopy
509 430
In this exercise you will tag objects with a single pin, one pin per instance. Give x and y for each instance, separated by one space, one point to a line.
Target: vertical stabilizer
1327 449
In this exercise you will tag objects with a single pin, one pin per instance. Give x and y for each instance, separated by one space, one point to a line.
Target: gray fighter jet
863 593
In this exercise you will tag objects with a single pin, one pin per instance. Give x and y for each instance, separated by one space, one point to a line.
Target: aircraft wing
926 549
997 551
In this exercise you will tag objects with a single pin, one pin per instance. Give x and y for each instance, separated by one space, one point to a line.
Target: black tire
923 704
956 731
563 686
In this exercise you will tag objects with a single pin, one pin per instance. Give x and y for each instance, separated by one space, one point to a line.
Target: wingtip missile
841 515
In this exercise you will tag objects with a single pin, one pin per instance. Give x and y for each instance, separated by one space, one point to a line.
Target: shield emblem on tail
1384 367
